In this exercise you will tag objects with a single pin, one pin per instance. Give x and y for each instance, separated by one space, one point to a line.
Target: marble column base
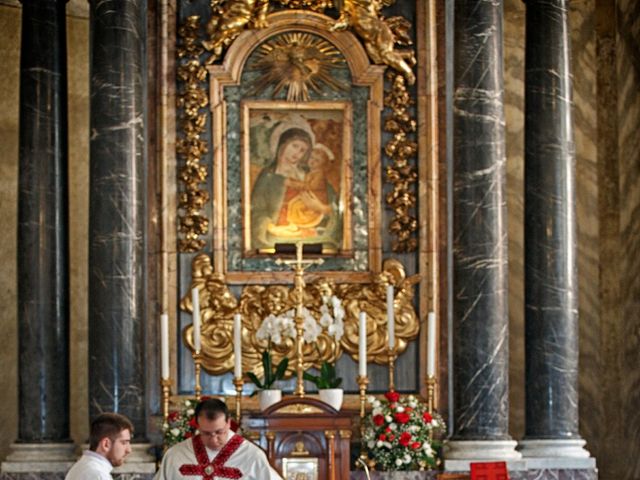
139 460
557 453
40 457
459 454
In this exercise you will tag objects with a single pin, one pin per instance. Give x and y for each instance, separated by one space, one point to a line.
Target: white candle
195 300
362 351
391 318
164 345
431 345
299 253
237 345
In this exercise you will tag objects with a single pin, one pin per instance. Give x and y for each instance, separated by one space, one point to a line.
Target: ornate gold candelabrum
197 362
393 354
238 382
363 382
431 393
165 383
299 266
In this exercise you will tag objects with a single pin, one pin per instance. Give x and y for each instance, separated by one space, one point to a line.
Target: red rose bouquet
400 434
180 423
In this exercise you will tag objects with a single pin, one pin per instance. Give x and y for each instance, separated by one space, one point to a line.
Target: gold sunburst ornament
297 62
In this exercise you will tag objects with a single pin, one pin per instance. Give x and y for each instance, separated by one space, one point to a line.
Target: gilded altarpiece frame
363 74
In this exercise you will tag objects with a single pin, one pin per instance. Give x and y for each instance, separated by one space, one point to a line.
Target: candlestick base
431 393
238 382
197 362
363 381
165 383
392 354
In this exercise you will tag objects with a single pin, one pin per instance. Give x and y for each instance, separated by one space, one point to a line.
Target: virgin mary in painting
291 198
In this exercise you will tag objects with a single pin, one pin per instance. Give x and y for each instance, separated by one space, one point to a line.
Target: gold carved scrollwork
402 174
218 305
191 100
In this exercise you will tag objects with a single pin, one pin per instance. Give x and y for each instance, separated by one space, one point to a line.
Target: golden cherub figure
228 21
379 34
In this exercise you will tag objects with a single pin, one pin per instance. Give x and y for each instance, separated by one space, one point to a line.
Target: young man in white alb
109 445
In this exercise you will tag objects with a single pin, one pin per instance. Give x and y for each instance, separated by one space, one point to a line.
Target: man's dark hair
211 409
107 425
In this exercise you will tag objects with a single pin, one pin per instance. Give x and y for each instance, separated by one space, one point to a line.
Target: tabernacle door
304 438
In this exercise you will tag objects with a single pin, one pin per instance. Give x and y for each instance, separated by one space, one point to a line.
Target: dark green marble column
43 226
480 292
551 284
117 210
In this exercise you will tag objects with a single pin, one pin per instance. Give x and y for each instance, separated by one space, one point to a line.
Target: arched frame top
229 73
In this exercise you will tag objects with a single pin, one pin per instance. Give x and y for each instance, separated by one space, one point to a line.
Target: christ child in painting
308 209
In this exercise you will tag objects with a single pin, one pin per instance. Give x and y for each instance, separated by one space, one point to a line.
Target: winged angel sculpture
379 34
228 22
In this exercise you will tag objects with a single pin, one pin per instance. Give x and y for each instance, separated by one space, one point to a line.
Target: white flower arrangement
277 327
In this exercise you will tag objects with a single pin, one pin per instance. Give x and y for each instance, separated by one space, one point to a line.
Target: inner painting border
296 175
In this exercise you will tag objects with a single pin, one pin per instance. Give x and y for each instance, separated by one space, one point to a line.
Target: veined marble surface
541 474
545 474
60 476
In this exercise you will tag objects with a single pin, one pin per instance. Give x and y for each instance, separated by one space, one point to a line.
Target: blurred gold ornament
314 5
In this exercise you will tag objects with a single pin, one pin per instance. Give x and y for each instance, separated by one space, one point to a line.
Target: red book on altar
489 471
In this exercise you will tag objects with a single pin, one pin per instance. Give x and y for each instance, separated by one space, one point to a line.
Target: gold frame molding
229 72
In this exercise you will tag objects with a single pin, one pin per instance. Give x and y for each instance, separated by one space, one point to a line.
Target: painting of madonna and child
296 172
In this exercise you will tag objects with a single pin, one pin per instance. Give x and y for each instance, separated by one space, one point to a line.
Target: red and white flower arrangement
400 433
180 424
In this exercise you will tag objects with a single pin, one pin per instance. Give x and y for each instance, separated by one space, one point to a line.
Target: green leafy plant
326 379
271 374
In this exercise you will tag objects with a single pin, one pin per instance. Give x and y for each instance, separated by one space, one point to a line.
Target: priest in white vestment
216 452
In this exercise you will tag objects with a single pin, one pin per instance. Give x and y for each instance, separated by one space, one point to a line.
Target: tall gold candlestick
238 382
363 382
392 355
166 395
431 393
299 356
299 266
197 362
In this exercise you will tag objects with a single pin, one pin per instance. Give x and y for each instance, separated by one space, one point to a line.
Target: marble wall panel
628 74
582 23
9 81
78 77
514 117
